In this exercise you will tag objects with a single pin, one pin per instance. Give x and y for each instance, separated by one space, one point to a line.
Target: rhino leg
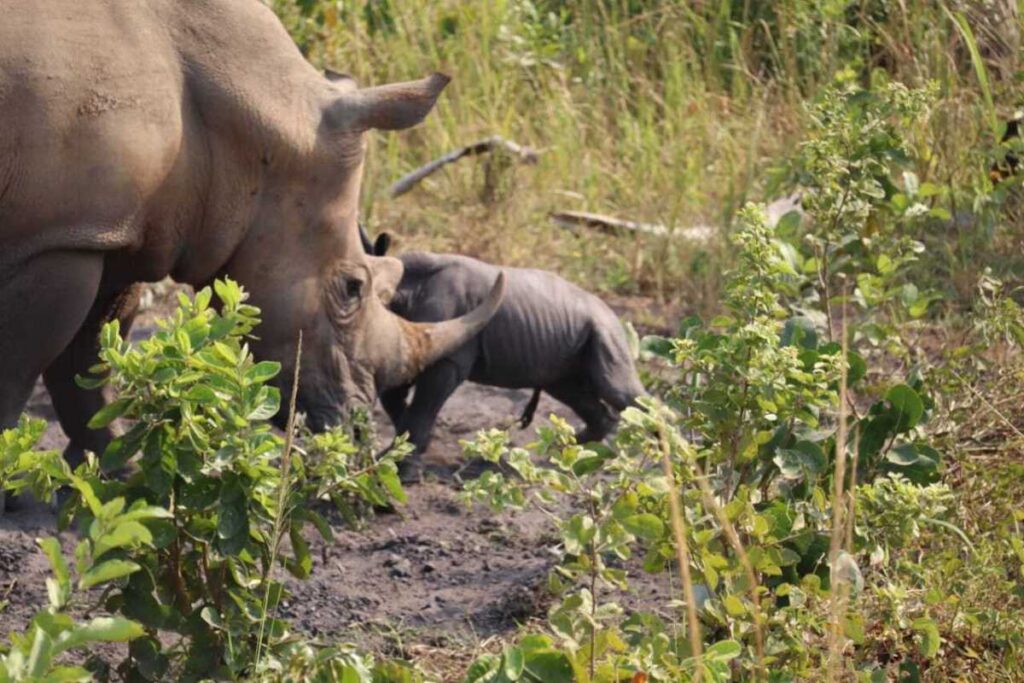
579 394
74 405
42 305
433 388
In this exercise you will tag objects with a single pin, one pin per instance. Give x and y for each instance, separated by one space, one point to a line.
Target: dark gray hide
548 334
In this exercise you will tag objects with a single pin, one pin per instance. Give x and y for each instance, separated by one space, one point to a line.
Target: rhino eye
353 288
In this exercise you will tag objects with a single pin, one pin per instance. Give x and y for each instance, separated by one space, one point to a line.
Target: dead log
526 155
619 226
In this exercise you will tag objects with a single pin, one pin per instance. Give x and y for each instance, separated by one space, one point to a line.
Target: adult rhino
150 138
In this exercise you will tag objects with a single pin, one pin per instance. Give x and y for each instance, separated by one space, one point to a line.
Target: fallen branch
526 155
618 226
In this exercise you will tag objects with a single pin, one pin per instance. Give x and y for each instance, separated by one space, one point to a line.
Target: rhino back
90 99
124 124
538 333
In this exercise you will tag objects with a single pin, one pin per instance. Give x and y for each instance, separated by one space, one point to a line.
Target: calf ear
382 245
343 81
387 107
387 273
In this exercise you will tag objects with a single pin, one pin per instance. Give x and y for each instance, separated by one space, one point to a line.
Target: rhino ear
387 273
387 107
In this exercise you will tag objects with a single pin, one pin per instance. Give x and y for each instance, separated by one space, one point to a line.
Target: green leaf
262 372
85 488
515 662
734 606
484 668
201 393
140 511
109 413
587 465
723 651
100 629
661 347
550 666
799 331
929 637
907 405
51 548
645 526
388 477
302 565
857 368
228 292
107 571
980 70
577 534
147 657
212 617
40 655
233 519
124 534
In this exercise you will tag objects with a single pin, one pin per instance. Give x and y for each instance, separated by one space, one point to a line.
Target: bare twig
526 155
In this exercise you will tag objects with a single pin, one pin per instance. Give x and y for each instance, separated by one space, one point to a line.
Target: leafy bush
36 653
208 495
771 399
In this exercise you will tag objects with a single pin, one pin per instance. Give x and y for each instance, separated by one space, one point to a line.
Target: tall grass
664 112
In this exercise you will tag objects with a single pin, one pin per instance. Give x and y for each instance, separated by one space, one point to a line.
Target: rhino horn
427 343
387 107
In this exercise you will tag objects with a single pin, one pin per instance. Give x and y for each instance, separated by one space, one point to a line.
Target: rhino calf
547 334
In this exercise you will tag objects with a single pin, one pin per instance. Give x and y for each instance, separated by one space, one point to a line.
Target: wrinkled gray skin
148 138
547 334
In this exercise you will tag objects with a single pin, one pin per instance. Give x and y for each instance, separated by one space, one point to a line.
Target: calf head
306 269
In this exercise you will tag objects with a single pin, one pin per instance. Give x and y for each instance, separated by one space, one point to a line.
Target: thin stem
741 553
839 506
682 555
593 609
282 496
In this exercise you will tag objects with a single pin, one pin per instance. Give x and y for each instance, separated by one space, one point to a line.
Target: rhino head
304 266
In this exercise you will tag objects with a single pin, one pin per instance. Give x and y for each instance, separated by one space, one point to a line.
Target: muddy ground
434 581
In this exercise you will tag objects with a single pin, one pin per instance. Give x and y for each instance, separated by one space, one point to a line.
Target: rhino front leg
74 405
433 388
43 302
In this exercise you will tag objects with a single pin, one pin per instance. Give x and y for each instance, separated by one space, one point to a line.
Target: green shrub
209 491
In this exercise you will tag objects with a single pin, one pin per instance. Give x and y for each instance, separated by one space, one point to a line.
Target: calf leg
578 394
74 405
531 408
394 404
433 388
611 369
